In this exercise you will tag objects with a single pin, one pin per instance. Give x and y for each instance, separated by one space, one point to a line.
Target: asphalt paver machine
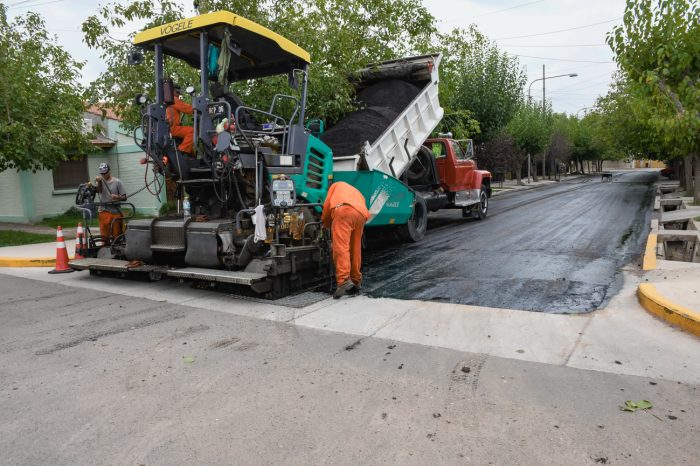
256 179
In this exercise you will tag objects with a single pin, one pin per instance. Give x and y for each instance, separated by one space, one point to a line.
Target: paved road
90 377
555 249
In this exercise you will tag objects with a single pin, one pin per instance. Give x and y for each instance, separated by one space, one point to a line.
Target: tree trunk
544 163
588 162
687 179
533 168
680 170
519 173
553 168
696 189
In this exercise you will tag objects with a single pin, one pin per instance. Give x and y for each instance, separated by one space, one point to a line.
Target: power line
34 4
12 5
577 87
561 30
563 59
548 46
558 93
509 8
493 12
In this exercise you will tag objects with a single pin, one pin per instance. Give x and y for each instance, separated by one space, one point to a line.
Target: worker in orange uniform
345 213
111 191
174 113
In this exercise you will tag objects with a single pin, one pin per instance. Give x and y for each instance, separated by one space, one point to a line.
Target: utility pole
544 109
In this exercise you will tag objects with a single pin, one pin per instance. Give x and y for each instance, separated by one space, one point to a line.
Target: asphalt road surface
90 377
555 249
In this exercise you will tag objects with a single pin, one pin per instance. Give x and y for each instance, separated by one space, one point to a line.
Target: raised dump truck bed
381 149
399 109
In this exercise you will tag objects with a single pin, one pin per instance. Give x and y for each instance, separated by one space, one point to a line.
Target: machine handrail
285 96
276 119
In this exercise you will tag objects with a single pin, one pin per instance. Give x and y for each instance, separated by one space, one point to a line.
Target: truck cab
446 176
455 163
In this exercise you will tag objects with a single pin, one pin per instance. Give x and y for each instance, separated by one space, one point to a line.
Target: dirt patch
181 333
245 346
224 343
94 336
353 345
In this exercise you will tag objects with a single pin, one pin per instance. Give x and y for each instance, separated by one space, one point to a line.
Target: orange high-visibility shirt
173 111
342 193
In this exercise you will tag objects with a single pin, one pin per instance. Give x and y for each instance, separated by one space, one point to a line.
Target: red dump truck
445 176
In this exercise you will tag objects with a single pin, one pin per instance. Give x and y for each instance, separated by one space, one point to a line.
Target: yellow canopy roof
263 52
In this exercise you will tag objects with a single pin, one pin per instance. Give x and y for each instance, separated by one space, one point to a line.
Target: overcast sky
566 36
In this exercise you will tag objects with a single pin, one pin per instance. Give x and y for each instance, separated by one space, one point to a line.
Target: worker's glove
222 126
98 178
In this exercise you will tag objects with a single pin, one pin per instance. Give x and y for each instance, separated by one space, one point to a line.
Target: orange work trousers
187 135
117 226
347 226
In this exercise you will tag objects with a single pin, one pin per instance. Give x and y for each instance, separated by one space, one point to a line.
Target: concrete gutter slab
681 214
357 315
531 336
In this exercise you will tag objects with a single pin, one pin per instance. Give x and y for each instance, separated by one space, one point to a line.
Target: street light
544 107
571 75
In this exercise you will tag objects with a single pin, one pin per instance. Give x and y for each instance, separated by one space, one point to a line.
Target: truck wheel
480 210
421 170
416 226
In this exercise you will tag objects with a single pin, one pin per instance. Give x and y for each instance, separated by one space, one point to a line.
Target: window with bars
70 173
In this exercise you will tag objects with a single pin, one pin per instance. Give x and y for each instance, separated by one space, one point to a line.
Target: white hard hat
103 168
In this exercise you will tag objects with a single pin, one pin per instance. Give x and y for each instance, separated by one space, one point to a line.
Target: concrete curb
649 262
663 308
653 301
27 261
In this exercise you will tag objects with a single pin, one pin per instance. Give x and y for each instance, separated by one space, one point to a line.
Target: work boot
356 288
343 289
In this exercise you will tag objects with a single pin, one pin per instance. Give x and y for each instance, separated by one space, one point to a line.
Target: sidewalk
671 288
33 255
509 186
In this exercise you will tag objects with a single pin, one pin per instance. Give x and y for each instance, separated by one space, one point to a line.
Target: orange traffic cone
79 243
61 254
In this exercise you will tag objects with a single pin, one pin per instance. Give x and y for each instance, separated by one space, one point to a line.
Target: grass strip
18 238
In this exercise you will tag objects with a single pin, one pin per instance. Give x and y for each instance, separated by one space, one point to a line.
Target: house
30 197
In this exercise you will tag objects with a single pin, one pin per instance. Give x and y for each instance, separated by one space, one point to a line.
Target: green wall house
30 197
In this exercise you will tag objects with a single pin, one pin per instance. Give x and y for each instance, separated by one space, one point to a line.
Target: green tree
585 146
530 128
340 35
477 76
120 82
500 155
560 148
622 125
657 49
41 109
